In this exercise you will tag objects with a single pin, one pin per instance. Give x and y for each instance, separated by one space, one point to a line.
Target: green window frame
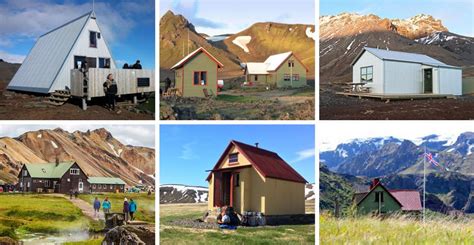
367 74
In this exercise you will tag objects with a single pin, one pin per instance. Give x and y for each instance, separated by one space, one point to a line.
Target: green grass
169 234
236 98
396 230
148 105
145 203
20 214
94 241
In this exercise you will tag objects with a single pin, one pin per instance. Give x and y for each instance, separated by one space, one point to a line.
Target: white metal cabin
47 67
394 72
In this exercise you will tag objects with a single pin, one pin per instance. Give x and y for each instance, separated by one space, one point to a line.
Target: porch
388 97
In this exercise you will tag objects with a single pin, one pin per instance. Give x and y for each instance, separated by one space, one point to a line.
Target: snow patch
310 34
54 144
242 42
350 45
113 149
39 136
450 150
470 150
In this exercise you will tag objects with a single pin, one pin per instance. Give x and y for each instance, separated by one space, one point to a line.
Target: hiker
137 65
126 209
110 90
125 66
132 208
149 192
106 205
76 193
70 193
167 84
96 206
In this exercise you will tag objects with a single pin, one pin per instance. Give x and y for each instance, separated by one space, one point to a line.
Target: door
81 186
78 61
428 81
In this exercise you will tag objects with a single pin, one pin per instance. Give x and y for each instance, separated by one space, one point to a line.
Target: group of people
137 65
129 208
228 219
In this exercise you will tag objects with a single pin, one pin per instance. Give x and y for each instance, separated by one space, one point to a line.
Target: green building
380 200
196 74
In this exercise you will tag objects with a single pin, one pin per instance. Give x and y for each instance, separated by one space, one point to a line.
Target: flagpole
424 184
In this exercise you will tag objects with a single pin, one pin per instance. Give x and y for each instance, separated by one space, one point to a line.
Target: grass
396 230
285 234
236 98
148 105
94 241
307 92
20 214
145 203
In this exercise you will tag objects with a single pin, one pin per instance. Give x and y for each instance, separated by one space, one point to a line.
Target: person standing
132 208
96 207
137 65
70 193
106 206
126 209
110 90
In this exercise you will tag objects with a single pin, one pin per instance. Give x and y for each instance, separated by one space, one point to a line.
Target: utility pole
424 184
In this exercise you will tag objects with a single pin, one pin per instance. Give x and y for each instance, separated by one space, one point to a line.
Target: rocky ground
338 107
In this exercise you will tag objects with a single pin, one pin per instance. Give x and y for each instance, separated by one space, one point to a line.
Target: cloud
11 58
187 151
304 154
189 8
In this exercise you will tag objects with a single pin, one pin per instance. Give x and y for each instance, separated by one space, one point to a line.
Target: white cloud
187 151
11 58
304 154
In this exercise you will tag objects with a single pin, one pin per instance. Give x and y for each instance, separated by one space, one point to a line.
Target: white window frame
74 171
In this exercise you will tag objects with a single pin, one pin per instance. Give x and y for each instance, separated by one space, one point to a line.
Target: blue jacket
96 204
133 206
106 205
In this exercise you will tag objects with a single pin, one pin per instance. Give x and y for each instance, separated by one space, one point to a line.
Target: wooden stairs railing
59 97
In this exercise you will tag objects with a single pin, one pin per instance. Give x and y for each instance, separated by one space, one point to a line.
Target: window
28 184
286 77
236 179
121 187
80 180
93 186
111 187
98 35
104 187
74 171
25 172
46 183
93 39
100 186
255 78
296 77
366 74
291 63
21 184
379 196
91 62
104 62
200 78
233 157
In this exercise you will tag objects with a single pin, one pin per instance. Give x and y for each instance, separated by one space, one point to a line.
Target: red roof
409 199
183 61
267 163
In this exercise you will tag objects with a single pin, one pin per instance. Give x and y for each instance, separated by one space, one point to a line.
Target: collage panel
77 184
385 60
379 185
77 60
221 60
241 184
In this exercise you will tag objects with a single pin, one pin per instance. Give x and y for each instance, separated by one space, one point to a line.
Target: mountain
334 187
177 193
386 156
268 38
343 36
97 152
177 34
7 71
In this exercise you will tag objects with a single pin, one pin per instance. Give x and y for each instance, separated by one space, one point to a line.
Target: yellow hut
250 178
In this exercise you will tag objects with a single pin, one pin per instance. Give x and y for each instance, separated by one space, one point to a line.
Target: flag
431 159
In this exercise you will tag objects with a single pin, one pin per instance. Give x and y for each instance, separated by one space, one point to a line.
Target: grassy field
169 234
397 230
145 203
38 213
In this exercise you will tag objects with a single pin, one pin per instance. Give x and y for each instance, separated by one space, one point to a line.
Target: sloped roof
402 56
267 163
48 170
272 63
45 60
257 68
409 200
106 180
183 61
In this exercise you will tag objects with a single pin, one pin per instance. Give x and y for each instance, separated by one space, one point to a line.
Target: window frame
200 75
296 77
234 160
364 72
74 171
379 196
104 59
90 39
286 77
291 63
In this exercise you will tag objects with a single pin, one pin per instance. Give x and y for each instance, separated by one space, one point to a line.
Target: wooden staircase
59 97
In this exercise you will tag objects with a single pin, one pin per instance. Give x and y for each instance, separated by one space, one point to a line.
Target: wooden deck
389 97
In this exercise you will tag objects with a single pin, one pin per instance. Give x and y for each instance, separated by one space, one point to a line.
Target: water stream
60 238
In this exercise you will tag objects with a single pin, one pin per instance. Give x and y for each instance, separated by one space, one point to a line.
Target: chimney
374 183
57 161
256 144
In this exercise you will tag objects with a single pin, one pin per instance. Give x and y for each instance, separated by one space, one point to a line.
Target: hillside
343 36
97 152
7 71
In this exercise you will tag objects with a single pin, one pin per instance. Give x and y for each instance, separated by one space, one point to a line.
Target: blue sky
456 15
128 26
187 151
230 16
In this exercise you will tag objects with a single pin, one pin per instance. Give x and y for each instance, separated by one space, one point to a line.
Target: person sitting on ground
132 208
110 90
137 65
96 206
106 205
229 219
167 84
126 209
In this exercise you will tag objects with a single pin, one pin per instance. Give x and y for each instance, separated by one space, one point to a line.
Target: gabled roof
402 56
409 200
45 60
267 163
272 63
106 180
185 60
48 170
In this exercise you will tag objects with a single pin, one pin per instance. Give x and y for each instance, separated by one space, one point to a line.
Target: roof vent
256 144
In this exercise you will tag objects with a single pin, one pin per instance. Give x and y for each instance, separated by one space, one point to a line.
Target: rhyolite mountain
266 38
343 36
7 71
96 151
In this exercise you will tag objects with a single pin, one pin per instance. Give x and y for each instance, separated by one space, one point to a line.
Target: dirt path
86 207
